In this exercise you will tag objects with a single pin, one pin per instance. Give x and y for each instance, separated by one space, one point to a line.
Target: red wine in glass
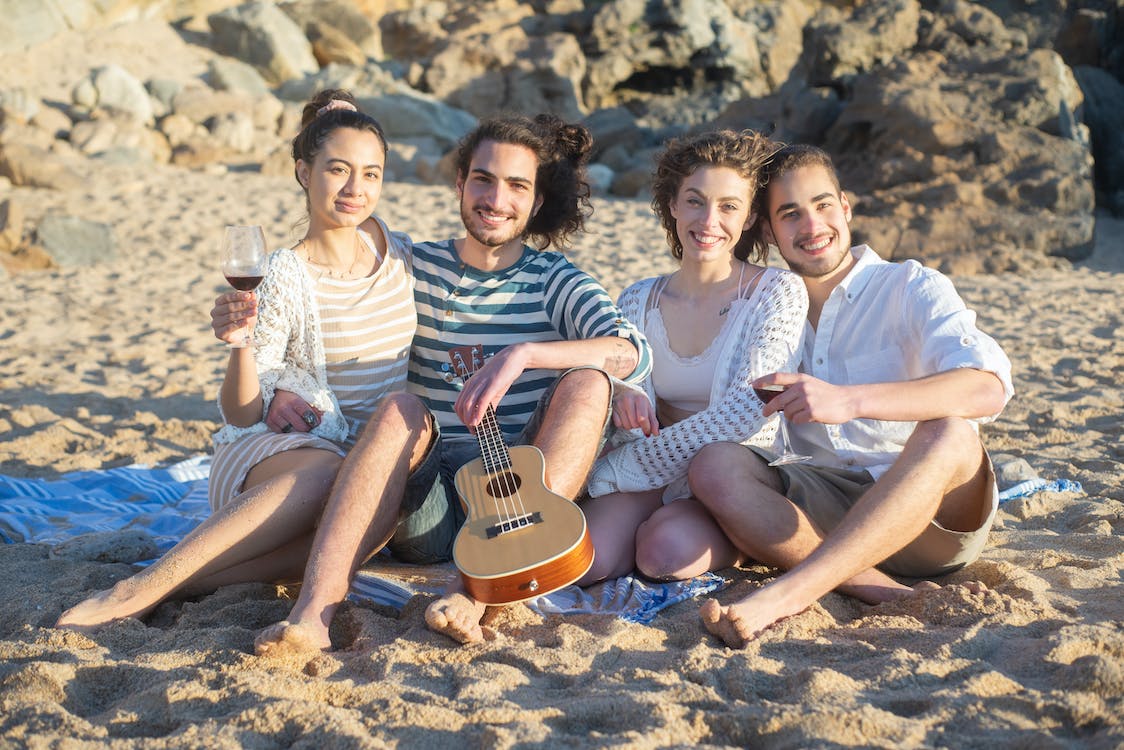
243 264
244 283
767 393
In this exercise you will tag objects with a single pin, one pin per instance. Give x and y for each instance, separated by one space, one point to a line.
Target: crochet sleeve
769 341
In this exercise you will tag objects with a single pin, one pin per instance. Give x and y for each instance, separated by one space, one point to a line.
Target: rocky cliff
975 136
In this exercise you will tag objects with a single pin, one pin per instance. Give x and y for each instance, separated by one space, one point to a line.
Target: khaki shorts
826 495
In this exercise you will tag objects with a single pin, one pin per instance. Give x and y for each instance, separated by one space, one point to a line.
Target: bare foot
456 615
285 638
122 601
745 619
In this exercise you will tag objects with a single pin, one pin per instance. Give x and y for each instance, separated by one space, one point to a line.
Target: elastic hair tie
336 104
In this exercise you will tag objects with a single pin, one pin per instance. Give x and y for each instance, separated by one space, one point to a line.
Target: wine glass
243 264
766 393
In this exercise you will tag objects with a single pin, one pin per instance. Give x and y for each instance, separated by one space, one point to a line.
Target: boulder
405 116
415 32
842 45
18 105
71 241
24 24
34 166
666 45
228 74
113 89
947 161
11 226
337 26
330 45
1104 115
260 34
543 75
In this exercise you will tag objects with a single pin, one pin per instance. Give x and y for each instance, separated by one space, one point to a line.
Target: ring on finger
287 427
309 418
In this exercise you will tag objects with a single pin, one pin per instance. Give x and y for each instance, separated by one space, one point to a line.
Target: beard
491 237
819 267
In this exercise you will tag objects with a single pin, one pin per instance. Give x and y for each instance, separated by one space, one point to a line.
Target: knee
949 436
583 387
722 472
661 552
402 407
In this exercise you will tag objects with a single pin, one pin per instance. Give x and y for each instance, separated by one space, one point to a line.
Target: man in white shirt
895 378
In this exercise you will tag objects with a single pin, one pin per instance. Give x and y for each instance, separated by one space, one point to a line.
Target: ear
538 204
846 204
749 221
767 232
460 186
302 173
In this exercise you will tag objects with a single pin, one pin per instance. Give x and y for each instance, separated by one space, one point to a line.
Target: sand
115 364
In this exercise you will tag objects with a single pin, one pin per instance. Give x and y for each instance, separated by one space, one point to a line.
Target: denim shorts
431 513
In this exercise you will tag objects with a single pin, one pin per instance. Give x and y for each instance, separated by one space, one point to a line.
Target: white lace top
289 349
765 337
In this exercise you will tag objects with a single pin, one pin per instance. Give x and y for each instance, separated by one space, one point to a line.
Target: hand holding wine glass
243 264
767 393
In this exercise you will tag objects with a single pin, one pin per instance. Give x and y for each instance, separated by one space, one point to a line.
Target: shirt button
448 313
967 340
819 361
850 462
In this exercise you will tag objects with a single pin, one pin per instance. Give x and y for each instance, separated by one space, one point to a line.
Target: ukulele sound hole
504 485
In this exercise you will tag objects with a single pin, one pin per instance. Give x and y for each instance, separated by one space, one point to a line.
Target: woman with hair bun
715 324
333 321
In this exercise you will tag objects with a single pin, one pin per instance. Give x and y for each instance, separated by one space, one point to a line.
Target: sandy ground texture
115 364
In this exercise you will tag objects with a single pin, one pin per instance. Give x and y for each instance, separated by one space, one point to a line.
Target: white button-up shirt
888 322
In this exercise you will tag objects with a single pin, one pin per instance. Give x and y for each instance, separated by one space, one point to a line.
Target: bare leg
567 439
941 473
284 496
682 540
359 518
613 521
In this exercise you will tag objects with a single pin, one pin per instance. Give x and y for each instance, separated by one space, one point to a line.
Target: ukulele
519 540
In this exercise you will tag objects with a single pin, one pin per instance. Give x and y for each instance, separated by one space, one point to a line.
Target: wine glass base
789 458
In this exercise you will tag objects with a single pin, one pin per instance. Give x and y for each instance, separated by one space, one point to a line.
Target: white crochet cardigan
766 337
289 350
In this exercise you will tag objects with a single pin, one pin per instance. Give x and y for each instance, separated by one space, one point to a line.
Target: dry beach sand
115 364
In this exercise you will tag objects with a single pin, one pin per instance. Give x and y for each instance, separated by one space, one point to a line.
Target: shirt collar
858 277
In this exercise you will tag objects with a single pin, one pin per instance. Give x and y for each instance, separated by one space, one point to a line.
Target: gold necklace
329 270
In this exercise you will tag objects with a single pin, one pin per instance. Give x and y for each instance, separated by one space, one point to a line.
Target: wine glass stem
784 435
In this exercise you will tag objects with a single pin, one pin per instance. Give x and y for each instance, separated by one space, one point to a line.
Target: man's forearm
963 392
616 356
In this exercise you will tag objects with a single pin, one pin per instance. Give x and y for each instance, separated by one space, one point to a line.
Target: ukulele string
486 436
510 484
482 438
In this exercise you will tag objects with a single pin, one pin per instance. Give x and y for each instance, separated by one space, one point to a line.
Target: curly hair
562 150
745 152
317 127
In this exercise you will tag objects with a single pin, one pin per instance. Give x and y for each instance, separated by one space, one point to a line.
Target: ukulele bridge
514 524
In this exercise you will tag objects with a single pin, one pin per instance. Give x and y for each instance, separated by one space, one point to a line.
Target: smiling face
344 180
808 221
711 211
497 194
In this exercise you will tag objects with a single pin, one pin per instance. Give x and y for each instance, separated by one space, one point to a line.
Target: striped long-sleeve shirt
542 297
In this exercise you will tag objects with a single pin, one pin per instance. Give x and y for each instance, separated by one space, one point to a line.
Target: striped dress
365 326
541 297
